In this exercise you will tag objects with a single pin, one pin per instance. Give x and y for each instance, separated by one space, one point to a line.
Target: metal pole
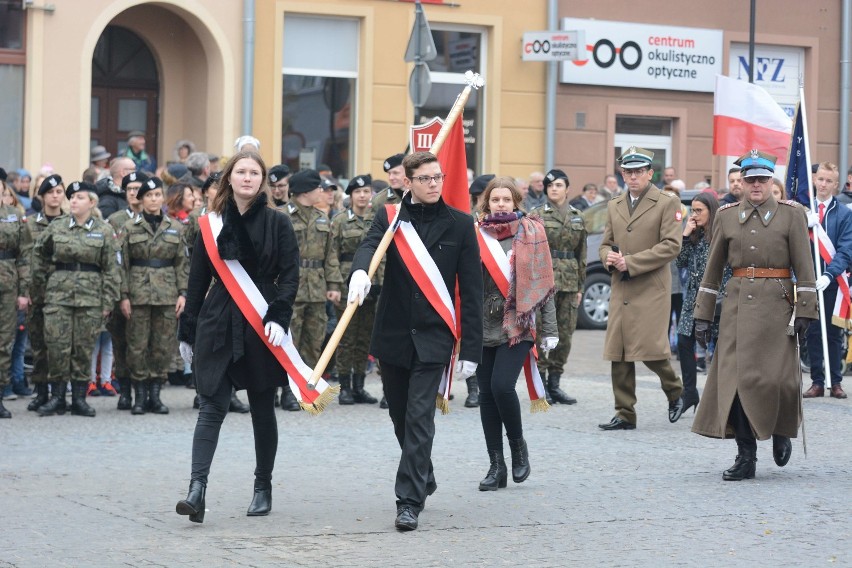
550 97
751 43
248 66
418 43
846 32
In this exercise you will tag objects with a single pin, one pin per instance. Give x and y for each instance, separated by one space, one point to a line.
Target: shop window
12 60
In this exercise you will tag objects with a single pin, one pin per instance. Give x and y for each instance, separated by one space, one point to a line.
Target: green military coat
155 267
319 269
15 243
566 235
348 230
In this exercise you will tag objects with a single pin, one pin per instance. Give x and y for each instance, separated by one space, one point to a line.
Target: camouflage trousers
8 327
308 329
70 334
151 338
566 322
355 343
117 328
35 326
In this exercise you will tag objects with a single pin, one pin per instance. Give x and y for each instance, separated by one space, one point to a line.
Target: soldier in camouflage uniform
319 274
14 285
78 294
117 324
566 234
52 192
393 194
348 229
279 186
153 290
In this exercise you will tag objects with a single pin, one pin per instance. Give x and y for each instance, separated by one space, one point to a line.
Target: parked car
594 307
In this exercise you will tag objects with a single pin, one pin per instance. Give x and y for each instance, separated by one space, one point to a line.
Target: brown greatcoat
754 355
640 308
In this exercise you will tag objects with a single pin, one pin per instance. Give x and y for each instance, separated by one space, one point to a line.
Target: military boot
236 405
56 404
289 400
40 398
360 395
744 466
557 394
472 400
125 401
345 396
3 412
79 407
157 406
140 396
520 460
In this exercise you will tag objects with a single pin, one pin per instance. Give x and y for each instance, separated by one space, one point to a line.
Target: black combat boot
360 395
56 404
472 400
236 405
125 402
79 407
156 405
289 400
3 412
345 396
557 394
497 476
520 460
193 505
140 396
40 398
261 502
744 466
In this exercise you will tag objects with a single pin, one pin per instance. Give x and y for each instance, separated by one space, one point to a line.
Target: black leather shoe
288 400
690 401
675 409
193 505
744 466
782 449
406 519
236 405
498 474
617 423
520 460
261 502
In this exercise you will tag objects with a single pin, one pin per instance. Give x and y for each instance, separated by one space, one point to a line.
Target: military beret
151 184
358 182
279 172
554 175
393 161
211 179
328 183
635 157
78 186
133 177
757 163
304 181
49 183
478 185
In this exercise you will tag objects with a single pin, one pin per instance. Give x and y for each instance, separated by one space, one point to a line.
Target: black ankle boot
125 402
782 449
157 406
497 476
3 412
140 394
236 405
520 460
472 400
79 407
744 466
193 505
289 400
56 404
557 394
41 397
360 395
261 502
345 396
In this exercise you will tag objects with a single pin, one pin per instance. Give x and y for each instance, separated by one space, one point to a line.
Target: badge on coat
678 215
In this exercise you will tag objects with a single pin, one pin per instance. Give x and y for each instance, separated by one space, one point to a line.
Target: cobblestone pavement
101 492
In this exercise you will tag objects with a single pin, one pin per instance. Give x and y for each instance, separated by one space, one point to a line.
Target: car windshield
595 217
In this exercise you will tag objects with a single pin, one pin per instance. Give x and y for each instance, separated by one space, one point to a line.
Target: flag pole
472 81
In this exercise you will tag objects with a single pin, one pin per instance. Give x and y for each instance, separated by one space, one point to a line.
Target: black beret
279 172
554 175
211 179
304 181
133 177
78 186
328 182
393 161
49 183
151 184
478 185
358 182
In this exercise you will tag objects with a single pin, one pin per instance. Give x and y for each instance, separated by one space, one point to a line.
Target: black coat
405 320
111 198
265 244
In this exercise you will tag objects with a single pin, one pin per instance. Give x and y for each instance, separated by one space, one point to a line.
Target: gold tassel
322 401
539 405
442 404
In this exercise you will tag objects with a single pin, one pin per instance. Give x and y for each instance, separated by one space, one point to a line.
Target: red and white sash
254 307
422 268
499 268
842 312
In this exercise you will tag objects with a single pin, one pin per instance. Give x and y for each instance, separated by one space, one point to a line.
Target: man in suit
410 337
642 236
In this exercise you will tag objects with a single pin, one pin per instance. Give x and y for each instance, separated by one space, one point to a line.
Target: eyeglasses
758 179
635 173
437 178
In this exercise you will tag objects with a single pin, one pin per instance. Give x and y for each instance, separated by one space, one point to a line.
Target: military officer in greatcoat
753 385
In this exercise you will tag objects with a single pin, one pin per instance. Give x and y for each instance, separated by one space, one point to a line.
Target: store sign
553 46
645 56
776 68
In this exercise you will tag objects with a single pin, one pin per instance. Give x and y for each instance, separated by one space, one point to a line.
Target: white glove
549 343
813 219
465 369
275 333
359 287
822 282
185 352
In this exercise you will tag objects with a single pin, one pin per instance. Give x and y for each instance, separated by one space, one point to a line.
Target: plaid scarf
531 281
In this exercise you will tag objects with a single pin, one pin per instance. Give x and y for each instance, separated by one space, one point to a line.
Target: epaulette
669 193
728 206
790 202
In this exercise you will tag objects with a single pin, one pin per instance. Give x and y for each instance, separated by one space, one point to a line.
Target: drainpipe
846 28
248 66
550 104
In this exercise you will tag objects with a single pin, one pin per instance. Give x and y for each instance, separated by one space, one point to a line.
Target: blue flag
798 172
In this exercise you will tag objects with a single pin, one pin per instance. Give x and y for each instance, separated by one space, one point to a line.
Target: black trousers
499 406
212 413
742 427
688 369
411 394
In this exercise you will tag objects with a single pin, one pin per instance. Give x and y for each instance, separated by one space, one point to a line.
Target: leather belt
152 263
77 267
347 257
752 272
6 254
311 263
563 254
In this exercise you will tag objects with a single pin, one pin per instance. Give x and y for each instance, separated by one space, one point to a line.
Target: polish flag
453 159
746 117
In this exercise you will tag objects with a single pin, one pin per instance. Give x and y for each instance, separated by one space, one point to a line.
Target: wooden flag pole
473 81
